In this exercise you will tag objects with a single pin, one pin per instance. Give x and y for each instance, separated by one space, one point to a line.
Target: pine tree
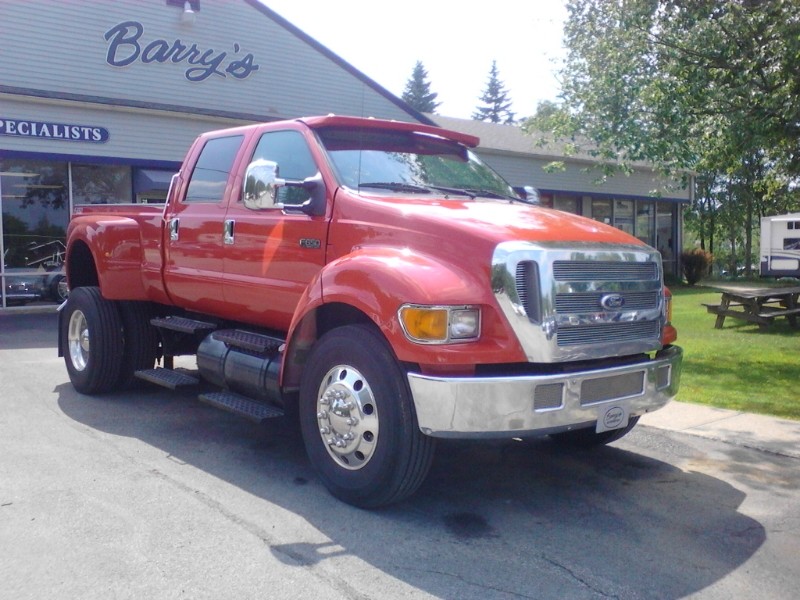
418 91
497 106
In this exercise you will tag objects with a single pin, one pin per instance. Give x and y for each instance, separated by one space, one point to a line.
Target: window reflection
34 211
101 184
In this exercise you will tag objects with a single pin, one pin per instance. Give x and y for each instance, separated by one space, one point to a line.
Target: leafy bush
696 264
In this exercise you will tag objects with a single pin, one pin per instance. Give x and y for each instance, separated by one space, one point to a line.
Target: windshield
410 162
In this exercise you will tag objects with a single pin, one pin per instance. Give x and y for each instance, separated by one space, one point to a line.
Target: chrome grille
547 396
570 302
608 333
586 303
523 283
527 284
608 388
604 271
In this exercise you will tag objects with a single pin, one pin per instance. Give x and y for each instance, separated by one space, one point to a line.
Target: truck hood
499 221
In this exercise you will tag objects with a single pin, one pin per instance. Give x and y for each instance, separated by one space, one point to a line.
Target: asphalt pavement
151 494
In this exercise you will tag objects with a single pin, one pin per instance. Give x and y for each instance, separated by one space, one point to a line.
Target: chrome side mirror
261 183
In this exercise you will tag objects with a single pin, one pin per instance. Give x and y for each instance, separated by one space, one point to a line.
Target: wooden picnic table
757 305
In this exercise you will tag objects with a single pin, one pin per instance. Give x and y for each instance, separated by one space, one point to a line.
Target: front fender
377 281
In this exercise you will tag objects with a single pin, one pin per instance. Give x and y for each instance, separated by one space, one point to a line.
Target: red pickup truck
378 280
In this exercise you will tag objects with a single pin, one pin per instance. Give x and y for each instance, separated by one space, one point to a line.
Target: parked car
21 289
29 287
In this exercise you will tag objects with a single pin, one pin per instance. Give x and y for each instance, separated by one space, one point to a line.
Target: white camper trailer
780 246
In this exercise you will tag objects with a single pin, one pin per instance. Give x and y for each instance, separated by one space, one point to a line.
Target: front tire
358 420
92 339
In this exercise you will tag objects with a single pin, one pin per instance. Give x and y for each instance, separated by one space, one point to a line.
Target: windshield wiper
474 193
453 190
491 194
396 186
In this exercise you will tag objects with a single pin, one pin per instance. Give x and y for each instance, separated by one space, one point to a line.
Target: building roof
508 138
512 139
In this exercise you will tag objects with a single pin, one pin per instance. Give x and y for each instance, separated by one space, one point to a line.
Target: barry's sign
125 47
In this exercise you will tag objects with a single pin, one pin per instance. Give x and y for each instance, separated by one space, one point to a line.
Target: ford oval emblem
612 301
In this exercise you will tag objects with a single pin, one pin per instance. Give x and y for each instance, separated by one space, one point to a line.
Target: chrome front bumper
458 407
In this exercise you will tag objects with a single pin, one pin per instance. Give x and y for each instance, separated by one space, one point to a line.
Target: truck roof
320 122
371 123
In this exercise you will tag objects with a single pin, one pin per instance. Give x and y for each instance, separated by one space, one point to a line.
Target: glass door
34 212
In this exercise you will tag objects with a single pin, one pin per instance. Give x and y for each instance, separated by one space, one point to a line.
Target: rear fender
115 246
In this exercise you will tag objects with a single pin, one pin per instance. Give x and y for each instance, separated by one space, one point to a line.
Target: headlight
440 324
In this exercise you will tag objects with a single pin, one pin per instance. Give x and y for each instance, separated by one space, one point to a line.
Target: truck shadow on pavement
499 519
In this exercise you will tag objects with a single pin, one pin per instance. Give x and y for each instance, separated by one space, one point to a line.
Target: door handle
227 234
173 229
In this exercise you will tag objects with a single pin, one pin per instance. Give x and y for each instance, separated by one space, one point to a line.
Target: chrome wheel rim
62 291
78 340
348 417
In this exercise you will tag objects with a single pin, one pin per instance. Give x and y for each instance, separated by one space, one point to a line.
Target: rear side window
210 175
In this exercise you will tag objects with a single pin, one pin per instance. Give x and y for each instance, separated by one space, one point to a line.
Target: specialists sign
53 131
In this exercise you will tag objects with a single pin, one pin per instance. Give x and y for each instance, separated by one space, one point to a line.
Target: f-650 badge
310 243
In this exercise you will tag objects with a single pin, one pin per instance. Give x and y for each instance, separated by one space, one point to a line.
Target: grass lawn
739 367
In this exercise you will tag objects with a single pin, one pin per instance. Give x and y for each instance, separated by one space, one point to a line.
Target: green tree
496 103
418 91
705 86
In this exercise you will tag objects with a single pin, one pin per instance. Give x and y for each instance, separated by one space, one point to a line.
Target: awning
147 180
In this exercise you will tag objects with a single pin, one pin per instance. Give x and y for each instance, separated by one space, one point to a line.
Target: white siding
134 134
59 47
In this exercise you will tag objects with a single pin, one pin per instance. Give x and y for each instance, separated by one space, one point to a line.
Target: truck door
271 255
194 241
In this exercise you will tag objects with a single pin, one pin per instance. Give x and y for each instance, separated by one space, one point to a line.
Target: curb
29 310
758 432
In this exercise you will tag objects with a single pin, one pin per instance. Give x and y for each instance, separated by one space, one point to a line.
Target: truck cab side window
290 151
210 175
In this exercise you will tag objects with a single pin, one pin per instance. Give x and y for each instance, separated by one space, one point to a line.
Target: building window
602 211
645 223
101 184
570 204
150 186
623 215
34 212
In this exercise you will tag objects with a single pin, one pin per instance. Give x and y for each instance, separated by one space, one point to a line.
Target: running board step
167 378
182 324
247 340
257 412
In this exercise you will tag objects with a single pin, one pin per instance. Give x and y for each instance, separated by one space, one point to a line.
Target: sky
456 40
